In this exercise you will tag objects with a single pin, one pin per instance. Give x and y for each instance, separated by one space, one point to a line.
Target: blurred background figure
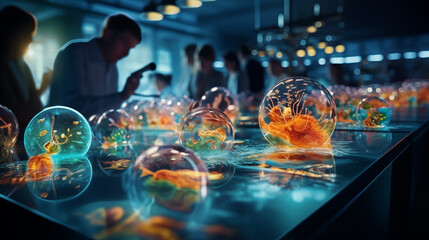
18 91
237 81
163 84
276 72
181 87
207 77
253 70
85 73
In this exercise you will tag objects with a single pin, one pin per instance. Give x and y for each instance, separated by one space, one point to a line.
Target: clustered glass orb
298 112
167 180
207 130
112 128
9 128
222 99
58 131
374 112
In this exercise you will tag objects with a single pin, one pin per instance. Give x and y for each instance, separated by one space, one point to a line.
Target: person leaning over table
18 91
85 75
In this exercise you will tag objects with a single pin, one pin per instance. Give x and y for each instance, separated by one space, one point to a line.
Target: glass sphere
112 128
222 99
58 179
167 180
207 130
298 112
374 112
135 109
9 128
59 131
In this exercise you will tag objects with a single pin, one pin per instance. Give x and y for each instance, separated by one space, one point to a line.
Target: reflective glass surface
255 191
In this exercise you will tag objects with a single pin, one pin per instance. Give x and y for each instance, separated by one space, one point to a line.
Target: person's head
206 57
189 52
120 33
18 28
243 52
275 67
231 61
161 81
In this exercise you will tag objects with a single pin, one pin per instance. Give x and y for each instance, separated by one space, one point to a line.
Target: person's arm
70 77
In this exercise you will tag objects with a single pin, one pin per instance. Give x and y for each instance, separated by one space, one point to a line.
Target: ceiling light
300 53
321 45
329 49
150 13
169 7
311 29
340 48
190 3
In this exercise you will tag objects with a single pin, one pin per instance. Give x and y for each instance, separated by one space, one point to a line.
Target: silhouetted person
276 72
181 87
17 90
253 70
237 81
85 74
207 77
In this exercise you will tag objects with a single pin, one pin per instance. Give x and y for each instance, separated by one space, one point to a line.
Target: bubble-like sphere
58 131
222 99
374 112
207 130
298 112
112 128
135 109
167 180
9 128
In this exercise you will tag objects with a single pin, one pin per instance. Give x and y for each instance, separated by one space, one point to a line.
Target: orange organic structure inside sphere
300 130
181 178
40 167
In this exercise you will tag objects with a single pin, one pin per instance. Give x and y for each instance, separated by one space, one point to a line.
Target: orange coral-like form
301 130
181 178
218 133
40 167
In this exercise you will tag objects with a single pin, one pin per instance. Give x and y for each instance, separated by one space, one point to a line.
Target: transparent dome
135 109
9 128
298 112
59 131
222 99
167 180
112 128
207 130
374 112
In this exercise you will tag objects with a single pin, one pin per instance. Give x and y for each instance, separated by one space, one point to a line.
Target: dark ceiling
236 19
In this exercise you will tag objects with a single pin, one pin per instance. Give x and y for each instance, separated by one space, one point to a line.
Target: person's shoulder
76 44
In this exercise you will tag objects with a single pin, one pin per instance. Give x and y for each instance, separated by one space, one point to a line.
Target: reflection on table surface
255 191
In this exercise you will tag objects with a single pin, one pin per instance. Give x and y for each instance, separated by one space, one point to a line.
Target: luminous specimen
207 129
298 112
9 128
374 112
167 177
58 131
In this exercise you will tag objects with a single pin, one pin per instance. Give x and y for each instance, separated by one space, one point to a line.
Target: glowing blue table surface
268 193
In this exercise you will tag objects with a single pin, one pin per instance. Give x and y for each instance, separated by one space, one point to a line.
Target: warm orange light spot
40 167
75 122
42 133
